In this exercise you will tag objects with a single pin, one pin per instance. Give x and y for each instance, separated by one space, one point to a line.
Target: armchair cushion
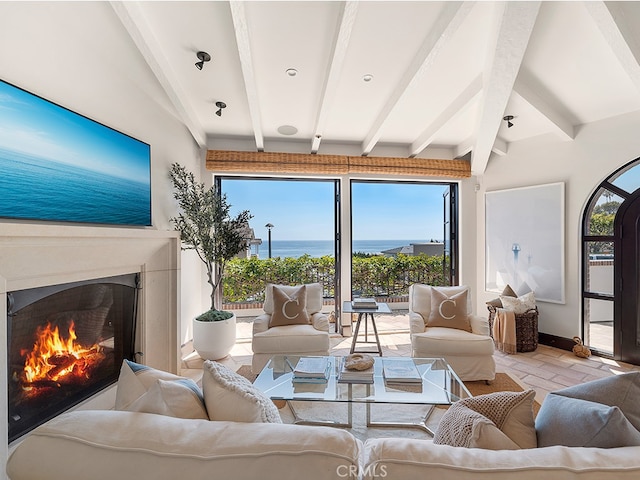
449 310
289 308
313 298
420 298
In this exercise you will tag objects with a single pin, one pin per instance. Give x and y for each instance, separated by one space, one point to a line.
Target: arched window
598 253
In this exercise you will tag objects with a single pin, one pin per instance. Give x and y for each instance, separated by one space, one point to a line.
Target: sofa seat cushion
108 445
290 338
441 341
407 458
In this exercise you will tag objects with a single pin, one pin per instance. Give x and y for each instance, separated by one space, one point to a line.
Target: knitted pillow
462 427
449 310
289 308
231 397
510 412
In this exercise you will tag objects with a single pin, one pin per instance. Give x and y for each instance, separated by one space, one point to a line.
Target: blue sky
303 210
36 127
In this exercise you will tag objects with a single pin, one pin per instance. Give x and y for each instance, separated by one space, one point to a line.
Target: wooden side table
366 314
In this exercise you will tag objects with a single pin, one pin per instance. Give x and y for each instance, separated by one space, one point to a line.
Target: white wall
597 150
77 54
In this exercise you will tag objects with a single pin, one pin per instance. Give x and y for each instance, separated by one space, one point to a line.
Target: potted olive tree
206 226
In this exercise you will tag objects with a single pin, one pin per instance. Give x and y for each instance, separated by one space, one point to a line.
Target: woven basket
526 328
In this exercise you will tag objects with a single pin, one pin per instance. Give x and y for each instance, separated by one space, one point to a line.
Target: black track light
508 118
220 106
203 57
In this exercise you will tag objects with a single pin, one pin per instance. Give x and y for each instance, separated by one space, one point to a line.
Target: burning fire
55 360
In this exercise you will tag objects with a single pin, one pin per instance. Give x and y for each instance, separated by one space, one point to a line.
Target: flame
53 357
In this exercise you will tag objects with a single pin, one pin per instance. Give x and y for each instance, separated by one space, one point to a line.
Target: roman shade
291 163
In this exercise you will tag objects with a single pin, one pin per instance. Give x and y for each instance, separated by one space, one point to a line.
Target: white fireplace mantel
38 255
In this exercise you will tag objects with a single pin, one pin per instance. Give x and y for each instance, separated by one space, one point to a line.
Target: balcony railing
372 276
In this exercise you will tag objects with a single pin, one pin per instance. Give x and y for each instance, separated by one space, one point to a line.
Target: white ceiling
444 73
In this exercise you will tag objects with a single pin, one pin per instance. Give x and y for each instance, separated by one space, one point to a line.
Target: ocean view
319 248
40 189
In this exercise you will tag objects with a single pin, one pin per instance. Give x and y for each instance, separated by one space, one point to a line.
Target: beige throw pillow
468 422
507 292
449 311
289 309
462 427
519 305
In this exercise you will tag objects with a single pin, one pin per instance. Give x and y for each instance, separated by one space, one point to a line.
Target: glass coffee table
439 385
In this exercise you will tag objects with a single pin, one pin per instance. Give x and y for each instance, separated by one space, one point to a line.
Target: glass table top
439 384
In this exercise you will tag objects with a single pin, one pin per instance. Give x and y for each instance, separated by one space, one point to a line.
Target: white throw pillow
145 389
173 398
519 305
231 397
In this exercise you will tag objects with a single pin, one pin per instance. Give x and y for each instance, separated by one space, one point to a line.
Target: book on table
400 370
355 376
364 303
311 370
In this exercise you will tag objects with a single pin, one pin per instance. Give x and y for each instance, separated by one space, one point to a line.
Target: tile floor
544 370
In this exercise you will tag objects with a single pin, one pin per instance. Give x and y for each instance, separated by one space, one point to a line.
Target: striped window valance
291 163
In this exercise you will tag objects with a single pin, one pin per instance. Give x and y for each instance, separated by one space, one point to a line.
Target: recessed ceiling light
367 78
287 130
292 72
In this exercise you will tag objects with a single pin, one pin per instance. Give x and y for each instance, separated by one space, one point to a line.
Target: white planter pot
214 340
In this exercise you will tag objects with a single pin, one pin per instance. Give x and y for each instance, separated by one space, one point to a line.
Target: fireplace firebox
66 343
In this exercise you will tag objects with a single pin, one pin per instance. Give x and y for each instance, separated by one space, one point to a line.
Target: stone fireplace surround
38 255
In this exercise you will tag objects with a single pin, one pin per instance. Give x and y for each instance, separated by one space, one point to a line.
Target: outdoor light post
269 227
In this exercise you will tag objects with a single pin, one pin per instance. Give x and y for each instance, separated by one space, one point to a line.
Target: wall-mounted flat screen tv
59 166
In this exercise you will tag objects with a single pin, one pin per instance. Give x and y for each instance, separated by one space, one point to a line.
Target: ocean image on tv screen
57 165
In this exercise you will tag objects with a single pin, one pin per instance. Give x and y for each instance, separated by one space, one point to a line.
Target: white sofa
398 458
108 445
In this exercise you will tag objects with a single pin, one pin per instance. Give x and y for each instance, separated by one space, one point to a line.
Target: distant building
432 249
253 243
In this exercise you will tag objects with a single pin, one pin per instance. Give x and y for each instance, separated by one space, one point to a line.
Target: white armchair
308 339
470 354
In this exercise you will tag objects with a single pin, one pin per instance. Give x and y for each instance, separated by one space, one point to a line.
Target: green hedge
245 279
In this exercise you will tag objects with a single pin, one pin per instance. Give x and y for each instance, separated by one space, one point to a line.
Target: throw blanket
504 331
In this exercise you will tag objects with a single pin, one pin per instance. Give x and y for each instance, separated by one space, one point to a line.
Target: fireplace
66 343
